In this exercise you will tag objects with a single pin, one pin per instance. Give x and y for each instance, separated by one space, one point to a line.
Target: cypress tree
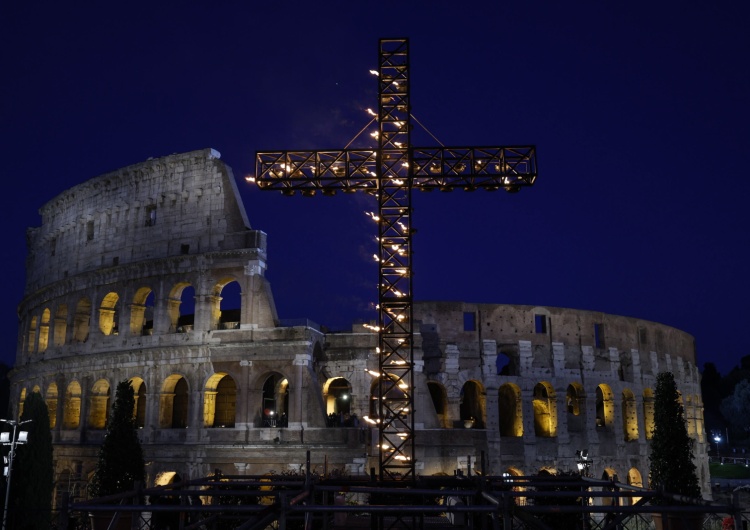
120 463
32 479
671 459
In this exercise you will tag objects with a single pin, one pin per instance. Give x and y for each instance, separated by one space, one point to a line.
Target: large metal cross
391 172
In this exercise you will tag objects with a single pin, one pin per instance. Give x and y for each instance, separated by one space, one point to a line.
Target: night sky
639 111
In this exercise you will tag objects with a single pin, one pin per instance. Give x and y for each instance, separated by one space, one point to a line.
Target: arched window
181 308
82 320
21 401
634 479
575 405
275 405
229 304
219 401
108 314
629 416
99 405
31 336
139 408
337 394
61 325
648 412
173 409
605 407
439 402
472 403
51 400
142 312
510 410
44 330
545 410
72 412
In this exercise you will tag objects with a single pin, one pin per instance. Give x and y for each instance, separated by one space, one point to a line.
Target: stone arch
629 416
337 394
220 401
181 307
72 410
31 336
21 401
60 325
510 474
50 397
605 407
439 399
392 391
142 312
575 405
472 403
510 410
698 417
634 479
99 405
648 412
44 330
108 313
275 401
165 478
227 310
82 320
174 401
139 408
545 410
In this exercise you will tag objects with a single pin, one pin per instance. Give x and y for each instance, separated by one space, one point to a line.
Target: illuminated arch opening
181 308
99 405
44 330
108 314
226 310
82 320
510 410
629 416
173 409
275 404
472 402
219 401
51 399
634 479
21 401
605 407
648 413
72 411
545 410
439 399
337 393
60 325
142 312
31 336
139 407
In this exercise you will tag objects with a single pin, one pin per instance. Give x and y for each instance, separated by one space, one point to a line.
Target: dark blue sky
639 111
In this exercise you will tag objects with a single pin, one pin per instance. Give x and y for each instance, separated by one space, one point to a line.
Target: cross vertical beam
396 354
391 173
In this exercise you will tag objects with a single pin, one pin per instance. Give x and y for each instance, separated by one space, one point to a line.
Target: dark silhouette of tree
120 463
736 408
671 459
33 480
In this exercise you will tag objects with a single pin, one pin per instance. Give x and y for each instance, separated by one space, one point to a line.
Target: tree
33 480
671 459
120 463
736 408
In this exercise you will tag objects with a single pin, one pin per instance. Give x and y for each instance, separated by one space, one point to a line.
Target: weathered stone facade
125 279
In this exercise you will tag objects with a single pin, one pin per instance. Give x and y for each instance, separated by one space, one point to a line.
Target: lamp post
583 462
12 440
717 439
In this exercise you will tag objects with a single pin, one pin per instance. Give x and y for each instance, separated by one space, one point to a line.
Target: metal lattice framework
391 172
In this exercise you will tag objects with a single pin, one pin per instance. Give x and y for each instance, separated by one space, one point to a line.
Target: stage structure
391 172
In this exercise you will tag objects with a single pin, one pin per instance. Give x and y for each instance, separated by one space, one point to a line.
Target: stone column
243 419
83 418
296 419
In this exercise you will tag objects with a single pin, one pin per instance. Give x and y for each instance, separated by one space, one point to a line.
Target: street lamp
717 439
12 440
583 462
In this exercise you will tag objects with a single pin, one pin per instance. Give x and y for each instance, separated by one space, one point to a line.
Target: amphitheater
127 278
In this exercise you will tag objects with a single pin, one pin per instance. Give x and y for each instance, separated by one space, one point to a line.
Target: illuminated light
404 386
402 457
374 72
397 144
373 373
398 182
250 178
339 171
377 349
434 168
287 191
405 164
375 256
308 193
371 112
401 271
375 134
